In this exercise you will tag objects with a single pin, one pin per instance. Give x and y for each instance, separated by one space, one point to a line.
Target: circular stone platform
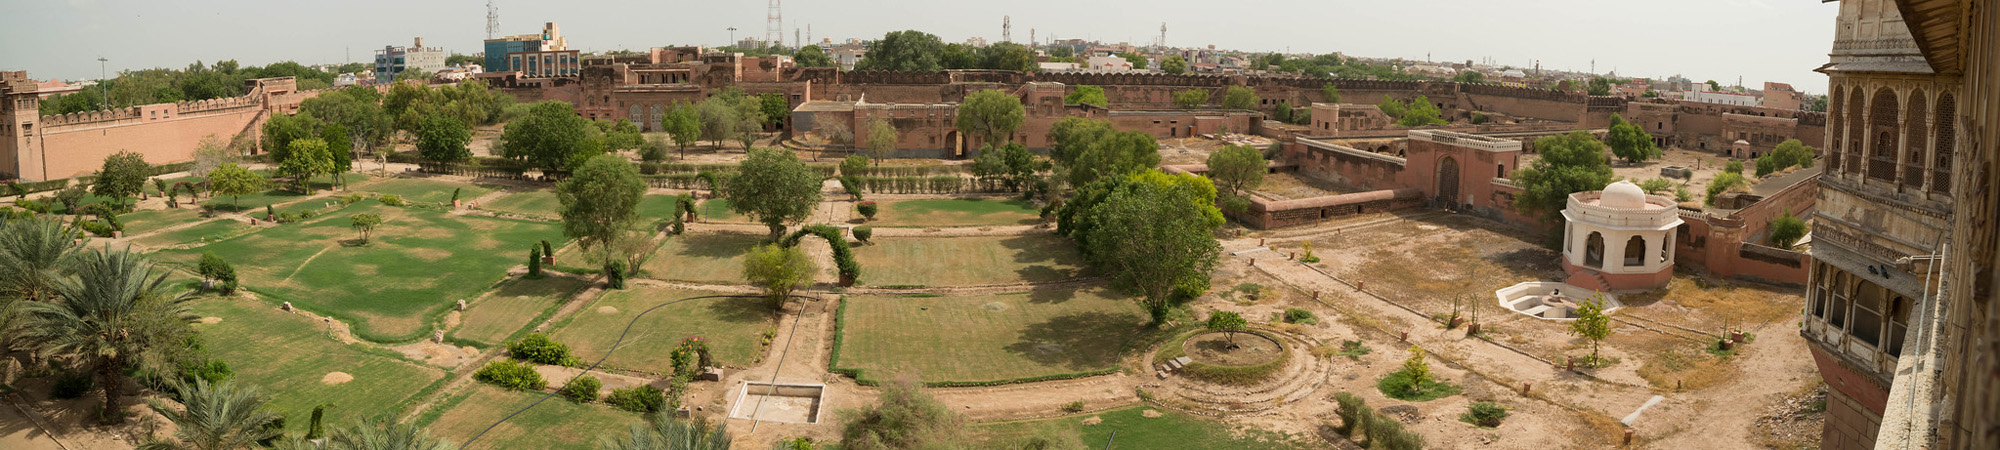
1551 300
1215 348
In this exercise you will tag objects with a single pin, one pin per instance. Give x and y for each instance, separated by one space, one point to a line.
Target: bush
534 261
614 274
1385 433
642 398
392 200
582 389
1723 183
213 371
853 188
1485 414
1351 410
1786 231
72 385
1297 315
1400 386
1073 407
96 228
854 165
539 348
867 209
511 375
864 232
1735 167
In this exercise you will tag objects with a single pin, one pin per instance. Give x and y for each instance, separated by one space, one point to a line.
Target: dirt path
1775 364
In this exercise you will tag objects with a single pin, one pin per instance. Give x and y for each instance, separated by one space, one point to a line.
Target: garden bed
954 212
735 328
990 339
959 261
1212 362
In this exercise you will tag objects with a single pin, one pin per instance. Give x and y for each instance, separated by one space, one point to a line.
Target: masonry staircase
1302 375
1589 279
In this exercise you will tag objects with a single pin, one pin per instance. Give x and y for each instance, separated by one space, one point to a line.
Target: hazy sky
1759 40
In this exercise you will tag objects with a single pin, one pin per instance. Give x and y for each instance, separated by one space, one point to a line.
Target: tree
1419 112
364 223
1630 142
1599 86
1111 154
903 417
600 200
1152 238
1138 61
221 416
339 152
811 56
881 142
1190 98
1283 112
1569 164
551 137
992 115
1228 323
234 181
1713 86
358 110
1785 155
116 314
1237 168
1239 97
778 269
1007 56
1011 163
1331 92
122 177
774 187
307 157
443 139
621 134
212 152
1072 135
1393 108
36 255
1469 76
1174 65
1722 183
1417 369
1086 95
903 51
718 118
1591 324
281 129
749 119
671 434
375 434
776 110
1786 230
683 124
71 198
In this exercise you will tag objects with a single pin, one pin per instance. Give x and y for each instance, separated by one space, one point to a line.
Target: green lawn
497 315
954 212
554 424
542 203
733 327
287 356
1172 430
958 261
427 191
153 219
701 257
212 230
420 263
717 209
991 337
252 202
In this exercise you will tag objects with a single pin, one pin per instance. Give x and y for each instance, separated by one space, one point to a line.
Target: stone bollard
1315 295
1628 436
1253 262
437 336
1361 285
1527 386
1569 363
461 304
1404 338
1260 242
287 306
1291 256
1728 345
1736 335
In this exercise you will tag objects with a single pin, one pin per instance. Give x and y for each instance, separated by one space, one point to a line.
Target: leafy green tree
306 158
1569 164
1237 168
774 187
1630 142
1786 230
1138 61
1331 92
1417 369
600 200
1011 163
443 139
903 51
551 137
1007 56
719 118
1420 112
621 134
357 109
881 141
1734 166
778 269
1591 324
1190 98
1283 112
281 129
339 152
1713 86
1151 236
1657 186
992 115
116 314
902 417
122 177
1469 76
1086 95
1723 183
363 223
671 434
1072 135
1174 64
683 124
221 416
749 119
811 56
1227 322
1239 97
1599 86
1785 155
1111 154
234 181
776 110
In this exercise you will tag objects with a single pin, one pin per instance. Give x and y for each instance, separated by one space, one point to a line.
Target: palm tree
113 315
373 435
33 255
217 417
670 434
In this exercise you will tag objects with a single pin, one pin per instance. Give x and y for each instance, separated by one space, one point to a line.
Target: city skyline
1791 44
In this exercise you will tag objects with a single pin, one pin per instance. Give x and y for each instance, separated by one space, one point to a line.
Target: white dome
1623 195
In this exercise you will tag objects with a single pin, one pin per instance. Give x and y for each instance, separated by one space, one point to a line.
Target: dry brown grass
1718 305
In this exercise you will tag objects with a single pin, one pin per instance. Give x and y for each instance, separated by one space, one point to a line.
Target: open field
543 203
427 191
419 263
1136 431
990 337
957 261
210 231
701 257
954 212
733 327
497 315
287 356
554 424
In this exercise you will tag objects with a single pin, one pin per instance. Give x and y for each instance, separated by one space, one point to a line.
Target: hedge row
860 377
942 184
683 180
904 171
825 171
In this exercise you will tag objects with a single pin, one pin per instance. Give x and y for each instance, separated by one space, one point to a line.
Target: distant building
1108 64
1701 94
459 72
847 55
1058 66
550 39
55 87
545 64
392 60
1782 96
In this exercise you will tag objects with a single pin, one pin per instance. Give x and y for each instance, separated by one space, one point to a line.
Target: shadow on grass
741 310
1051 295
716 245
1079 341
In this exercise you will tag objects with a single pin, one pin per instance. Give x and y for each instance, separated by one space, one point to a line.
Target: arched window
1915 131
1883 127
1856 128
1837 149
1635 252
1947 123
1593 250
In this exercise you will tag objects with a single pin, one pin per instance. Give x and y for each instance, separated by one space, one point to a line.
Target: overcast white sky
1758 40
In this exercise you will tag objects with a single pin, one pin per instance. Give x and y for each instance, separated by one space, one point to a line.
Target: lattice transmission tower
492 19
774 26
1006 28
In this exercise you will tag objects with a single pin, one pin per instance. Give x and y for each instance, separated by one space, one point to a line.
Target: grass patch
155 219
427 191
1398 386
253 203
699 257
717 209
419 263
733 327
287 355
211 231
554 424
543 203
497 316
988 338
957 261
1136 431
955 212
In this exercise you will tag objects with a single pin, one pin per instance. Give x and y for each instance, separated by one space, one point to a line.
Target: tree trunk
107 378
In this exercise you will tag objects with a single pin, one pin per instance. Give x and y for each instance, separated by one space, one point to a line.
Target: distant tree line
198 81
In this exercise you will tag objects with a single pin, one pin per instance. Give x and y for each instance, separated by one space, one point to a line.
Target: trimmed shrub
614 274
1485 414
867 209
864 232
96 228
1073 407
642 398
582 389
537 347
534 261
213 371
1399 385
511 375
1297 315
546 249
392 200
